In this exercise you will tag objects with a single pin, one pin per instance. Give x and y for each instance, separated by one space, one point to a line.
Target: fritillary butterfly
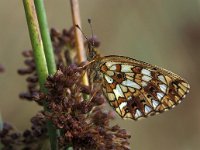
133 88
136 89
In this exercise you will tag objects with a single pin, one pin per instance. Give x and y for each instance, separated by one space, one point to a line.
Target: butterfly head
92 43
92 52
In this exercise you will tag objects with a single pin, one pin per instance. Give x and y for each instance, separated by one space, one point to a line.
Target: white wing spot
146 78
179 101
147 109
137 113
110 63
155 103
113 67
118 92
162 78
146 72
173 106
160 95
131 84
126 68
144 83
108 79
129 98
122 105
163 88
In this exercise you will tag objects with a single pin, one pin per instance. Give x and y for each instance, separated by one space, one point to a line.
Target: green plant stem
36 41
40 60
44 29
48 50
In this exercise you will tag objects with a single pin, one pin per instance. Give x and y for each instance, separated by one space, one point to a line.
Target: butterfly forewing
137 89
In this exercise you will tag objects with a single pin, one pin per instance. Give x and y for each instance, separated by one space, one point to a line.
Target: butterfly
136 89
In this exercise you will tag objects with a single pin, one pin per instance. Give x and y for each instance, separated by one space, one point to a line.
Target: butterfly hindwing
137 89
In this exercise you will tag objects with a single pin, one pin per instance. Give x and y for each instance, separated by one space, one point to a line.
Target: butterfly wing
137 89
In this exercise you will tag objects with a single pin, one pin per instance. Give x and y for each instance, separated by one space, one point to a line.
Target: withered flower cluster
84 123
75 109
30 139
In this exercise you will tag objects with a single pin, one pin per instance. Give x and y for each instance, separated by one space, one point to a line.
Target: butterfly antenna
89 43
90 23
82 32
91 53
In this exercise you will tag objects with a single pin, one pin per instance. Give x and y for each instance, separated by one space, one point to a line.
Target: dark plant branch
39 58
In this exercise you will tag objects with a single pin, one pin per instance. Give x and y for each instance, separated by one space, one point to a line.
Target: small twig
78 35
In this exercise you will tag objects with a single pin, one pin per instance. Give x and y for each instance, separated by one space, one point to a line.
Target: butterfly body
136 89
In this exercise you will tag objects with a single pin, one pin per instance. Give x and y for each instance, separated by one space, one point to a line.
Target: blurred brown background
164 32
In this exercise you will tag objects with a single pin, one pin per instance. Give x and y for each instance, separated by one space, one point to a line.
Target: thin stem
36 41
40 60
48 48
78 35
49 54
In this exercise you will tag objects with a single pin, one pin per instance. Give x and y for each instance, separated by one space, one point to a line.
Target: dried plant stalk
78 35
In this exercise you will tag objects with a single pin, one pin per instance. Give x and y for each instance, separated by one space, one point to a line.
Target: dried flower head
84 124
75 109
30 139
64 45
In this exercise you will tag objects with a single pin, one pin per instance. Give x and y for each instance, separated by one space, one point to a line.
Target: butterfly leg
87 65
